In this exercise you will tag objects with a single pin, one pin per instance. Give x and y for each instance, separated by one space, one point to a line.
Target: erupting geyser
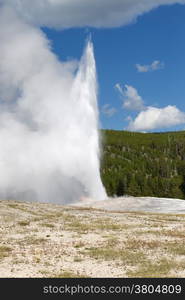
49 142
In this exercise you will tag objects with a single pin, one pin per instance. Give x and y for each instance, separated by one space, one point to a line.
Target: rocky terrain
48 240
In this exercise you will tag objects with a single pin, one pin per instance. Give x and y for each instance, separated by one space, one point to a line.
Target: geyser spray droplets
49 143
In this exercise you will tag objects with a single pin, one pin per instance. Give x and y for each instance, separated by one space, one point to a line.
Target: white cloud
149 117
156 118
119 88
108 110
79 13
156 65
131 99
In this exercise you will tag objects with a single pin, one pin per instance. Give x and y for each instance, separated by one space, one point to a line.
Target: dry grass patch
5 251
112 242
112 254
102 225
174 233
149 269
48 225
12 205
24 223
32 240
176 248
149 231
78 259
23 208
63 274
94 225
143 244
78 226
79 244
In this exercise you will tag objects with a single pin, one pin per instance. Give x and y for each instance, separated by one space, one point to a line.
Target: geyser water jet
49 141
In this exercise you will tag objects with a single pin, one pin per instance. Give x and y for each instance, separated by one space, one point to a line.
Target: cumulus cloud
156 118
79 13
131 99
149 117
155 65
108 110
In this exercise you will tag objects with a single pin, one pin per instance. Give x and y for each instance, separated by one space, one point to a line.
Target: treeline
143 164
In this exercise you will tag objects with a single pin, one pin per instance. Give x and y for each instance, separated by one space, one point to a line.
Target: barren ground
47 240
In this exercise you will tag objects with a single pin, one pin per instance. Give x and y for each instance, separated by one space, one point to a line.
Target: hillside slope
144 164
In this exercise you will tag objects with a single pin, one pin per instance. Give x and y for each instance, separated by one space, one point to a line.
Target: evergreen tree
138 164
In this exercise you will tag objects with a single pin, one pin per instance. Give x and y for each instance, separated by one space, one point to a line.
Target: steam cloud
49 144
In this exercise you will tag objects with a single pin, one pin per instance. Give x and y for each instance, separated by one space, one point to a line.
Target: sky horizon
140 68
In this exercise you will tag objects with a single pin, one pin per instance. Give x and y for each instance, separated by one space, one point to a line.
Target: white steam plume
49 144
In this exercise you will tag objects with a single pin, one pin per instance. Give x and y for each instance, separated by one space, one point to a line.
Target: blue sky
158 35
